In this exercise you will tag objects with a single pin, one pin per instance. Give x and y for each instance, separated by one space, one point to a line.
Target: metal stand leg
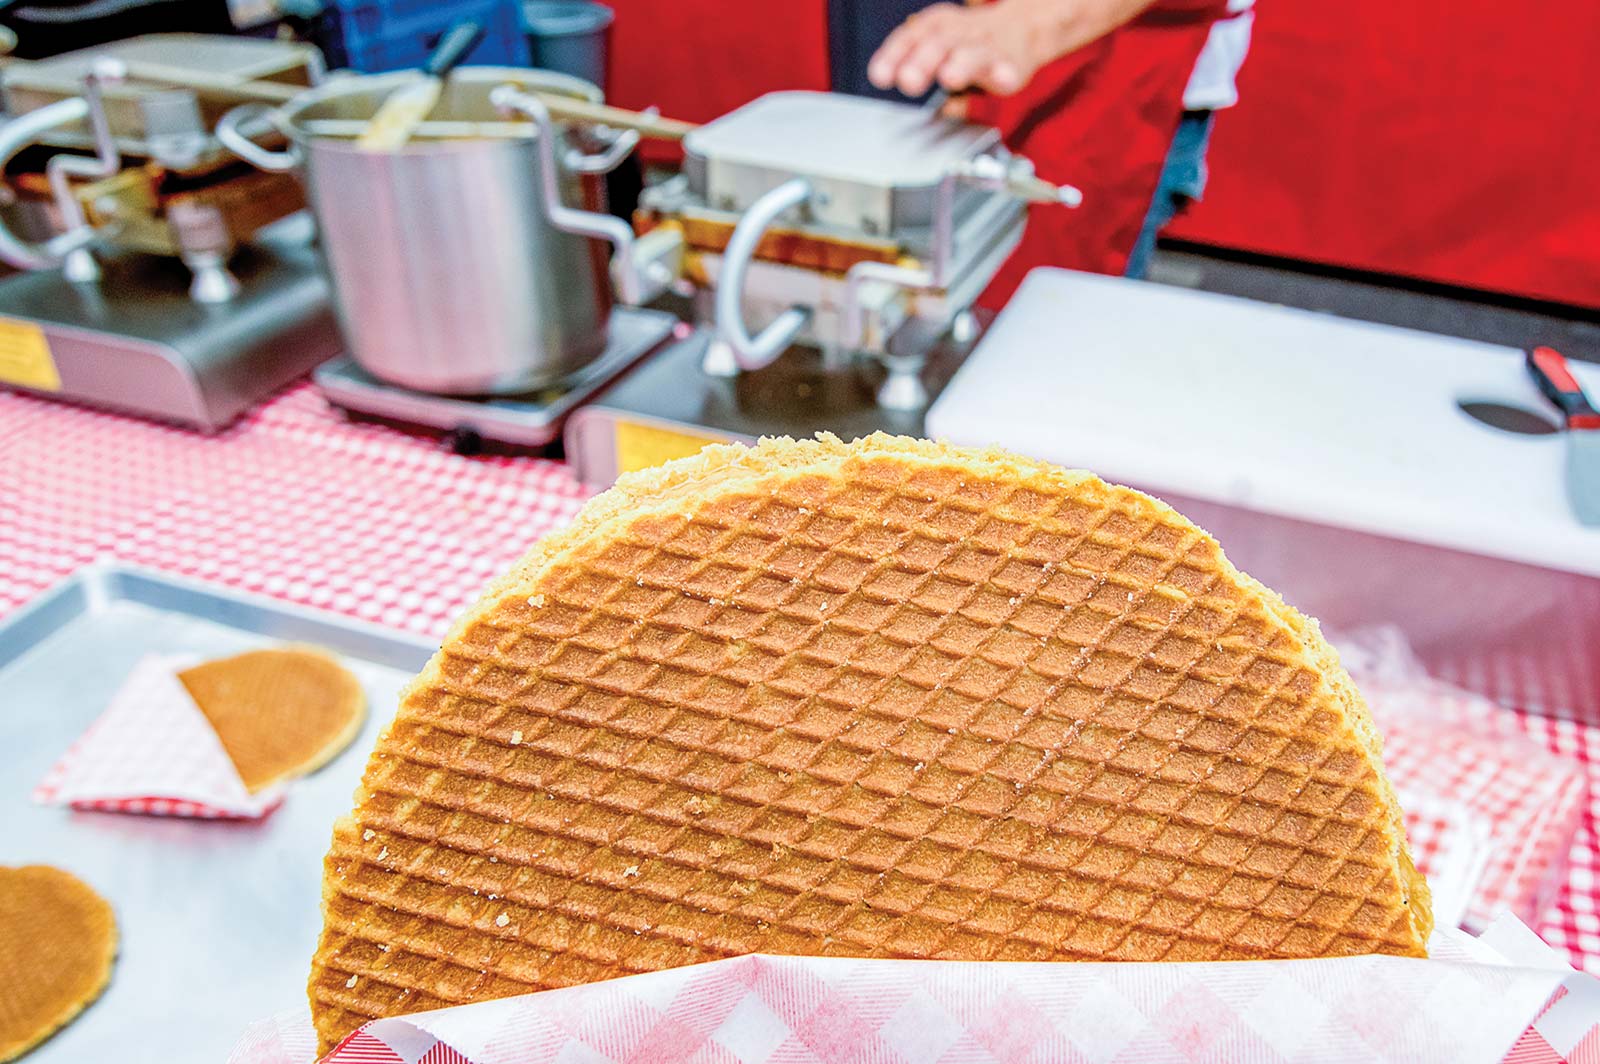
213 283
836 358
719 360
204 244
903 389
80 266
964 327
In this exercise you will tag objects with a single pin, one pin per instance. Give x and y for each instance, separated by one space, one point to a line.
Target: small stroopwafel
280 713
58 939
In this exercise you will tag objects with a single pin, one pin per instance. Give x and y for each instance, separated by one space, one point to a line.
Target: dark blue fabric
855 29
1183 180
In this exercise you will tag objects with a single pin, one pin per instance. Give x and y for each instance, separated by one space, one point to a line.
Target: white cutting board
1285 411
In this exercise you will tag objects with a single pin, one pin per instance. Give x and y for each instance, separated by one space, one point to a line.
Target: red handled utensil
1555 379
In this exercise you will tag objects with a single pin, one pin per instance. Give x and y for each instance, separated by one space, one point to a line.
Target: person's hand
958 48
995 47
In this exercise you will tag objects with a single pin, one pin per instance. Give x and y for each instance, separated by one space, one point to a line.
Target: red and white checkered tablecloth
295 502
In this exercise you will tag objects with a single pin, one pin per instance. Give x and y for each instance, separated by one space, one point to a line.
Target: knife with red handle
1556 380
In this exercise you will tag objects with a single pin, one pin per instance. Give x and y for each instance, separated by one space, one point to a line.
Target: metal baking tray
217 919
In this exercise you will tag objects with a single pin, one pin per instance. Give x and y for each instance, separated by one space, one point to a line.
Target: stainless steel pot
459 264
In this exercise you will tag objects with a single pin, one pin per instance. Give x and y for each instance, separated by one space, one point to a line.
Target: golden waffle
880 699
57 941
279 713
792 247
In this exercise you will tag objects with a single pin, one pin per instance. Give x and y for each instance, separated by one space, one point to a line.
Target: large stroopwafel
57 941
880 699
280 713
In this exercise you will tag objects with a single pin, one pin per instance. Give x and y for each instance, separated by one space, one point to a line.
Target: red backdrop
697 59
1457 142
1447 140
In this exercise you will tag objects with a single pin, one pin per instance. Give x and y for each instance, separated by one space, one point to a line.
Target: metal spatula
408 107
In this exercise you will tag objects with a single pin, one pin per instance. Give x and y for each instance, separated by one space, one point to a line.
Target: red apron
1102 119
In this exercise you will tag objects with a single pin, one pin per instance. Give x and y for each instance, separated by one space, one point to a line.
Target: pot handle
753 352
231 132
624 269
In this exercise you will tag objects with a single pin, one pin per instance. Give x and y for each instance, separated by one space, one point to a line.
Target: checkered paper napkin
153 751
1530 802
1453 845
1503 997
1462 770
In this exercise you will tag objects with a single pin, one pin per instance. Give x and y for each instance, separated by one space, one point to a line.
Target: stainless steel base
532 420
138 344
135 341
680 406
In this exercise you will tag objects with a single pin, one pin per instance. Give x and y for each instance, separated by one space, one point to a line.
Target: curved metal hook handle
625 272
231 132
753 352
77 234
15 135
603 162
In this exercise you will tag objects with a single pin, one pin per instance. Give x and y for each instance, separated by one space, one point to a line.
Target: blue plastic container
397 34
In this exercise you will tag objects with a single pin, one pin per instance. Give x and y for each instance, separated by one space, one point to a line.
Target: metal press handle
69 249
1011 175
230 131
77 263
753 352
15 135
622 143
1015 177
624 270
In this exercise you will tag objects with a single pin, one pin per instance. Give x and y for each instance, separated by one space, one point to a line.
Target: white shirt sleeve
1212 84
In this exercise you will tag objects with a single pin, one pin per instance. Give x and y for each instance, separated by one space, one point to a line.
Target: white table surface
1275 409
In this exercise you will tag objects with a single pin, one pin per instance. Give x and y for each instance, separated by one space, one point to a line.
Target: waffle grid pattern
58 941
287 501
264 507
902 713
